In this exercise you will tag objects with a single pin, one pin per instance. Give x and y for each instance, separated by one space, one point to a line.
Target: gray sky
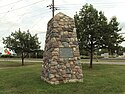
34 15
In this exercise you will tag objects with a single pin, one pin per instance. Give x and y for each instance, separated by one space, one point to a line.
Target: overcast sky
34 15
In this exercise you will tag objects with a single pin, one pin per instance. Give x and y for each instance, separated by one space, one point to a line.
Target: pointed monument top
61 15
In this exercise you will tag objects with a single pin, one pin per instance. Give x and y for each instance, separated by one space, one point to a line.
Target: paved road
40 60
19 60
117 63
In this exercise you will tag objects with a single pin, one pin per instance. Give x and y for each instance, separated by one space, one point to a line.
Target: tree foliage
114 38
22 43
93 30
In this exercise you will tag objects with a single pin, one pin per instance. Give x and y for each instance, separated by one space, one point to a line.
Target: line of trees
95 32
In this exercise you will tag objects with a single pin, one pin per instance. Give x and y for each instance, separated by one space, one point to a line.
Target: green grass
102 79
12 64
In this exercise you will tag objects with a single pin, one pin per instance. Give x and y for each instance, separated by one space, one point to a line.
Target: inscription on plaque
66 52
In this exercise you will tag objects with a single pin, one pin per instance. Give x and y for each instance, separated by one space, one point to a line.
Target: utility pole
52 6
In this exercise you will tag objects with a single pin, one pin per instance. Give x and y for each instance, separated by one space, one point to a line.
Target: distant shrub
94 57
85 57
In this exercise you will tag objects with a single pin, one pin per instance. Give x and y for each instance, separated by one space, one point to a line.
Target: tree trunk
22 59
91 58
91 53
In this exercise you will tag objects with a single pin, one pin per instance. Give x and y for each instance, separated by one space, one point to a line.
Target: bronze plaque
66 52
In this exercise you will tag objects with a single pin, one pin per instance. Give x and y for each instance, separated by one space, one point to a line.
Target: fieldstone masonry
61 56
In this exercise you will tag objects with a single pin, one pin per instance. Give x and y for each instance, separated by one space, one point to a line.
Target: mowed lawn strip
102 79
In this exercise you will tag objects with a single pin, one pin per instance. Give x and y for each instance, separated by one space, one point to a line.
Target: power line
95 4
39 20
12 27
10 3
22 7
107 2
34 16
33 11
11 8
71 6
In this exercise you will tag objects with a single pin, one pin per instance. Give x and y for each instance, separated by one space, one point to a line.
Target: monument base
65 81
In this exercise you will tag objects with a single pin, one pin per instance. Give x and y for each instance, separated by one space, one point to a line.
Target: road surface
19 60
122 62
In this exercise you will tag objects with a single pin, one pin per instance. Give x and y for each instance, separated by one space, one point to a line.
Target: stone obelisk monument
61 60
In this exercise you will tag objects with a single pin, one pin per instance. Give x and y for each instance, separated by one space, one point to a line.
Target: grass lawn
102 79
11 64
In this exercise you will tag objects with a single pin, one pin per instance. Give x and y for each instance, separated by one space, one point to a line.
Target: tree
93 30
22 42
89 23
115 39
